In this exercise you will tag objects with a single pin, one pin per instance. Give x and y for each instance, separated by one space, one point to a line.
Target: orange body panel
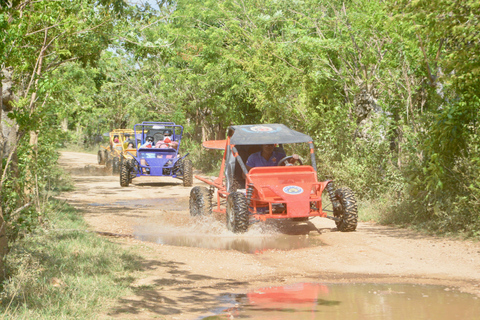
295 187
215 144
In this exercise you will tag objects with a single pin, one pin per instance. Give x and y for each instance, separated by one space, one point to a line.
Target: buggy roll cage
156 130
241 137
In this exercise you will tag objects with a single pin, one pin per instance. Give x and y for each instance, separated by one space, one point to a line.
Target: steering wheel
285 159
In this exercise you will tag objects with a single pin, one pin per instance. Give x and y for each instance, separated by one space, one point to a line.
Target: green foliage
442 168
30 183
210 64
64 271
454 25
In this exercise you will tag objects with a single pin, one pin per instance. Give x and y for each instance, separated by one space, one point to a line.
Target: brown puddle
208 232
255 244
348 301
91 170
171 204
180 229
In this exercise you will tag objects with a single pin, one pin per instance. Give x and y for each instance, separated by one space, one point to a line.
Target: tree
38 37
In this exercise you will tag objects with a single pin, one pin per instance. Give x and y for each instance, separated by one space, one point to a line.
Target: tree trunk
8 132
8 128
64 125
3 245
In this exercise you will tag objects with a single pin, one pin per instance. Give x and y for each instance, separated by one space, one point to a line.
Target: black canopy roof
265 134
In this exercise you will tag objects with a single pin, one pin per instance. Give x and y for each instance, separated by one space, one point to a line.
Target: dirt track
183 281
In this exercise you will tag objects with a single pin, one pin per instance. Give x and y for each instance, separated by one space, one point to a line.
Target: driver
268 157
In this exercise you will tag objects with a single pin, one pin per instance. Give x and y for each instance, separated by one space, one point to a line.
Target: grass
369 210
62 271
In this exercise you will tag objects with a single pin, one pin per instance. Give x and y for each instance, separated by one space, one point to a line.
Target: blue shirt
256 159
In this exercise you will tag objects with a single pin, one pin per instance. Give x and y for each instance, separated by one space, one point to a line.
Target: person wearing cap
167 141
148 143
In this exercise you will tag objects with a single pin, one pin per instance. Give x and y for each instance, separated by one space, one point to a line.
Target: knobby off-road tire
187 173
347 210
134 167
105 156
237 212
200 201
125 174
236 185
100 157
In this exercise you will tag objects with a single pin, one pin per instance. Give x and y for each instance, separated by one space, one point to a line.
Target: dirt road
187 264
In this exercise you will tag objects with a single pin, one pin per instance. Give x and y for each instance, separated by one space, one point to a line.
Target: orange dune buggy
275 192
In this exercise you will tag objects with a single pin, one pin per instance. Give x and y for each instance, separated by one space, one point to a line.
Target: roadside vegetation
389 91
60 270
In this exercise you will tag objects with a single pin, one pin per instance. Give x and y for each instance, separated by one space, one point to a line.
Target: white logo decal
261 129
292 190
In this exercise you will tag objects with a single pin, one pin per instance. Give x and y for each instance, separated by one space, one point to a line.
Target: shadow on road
172 296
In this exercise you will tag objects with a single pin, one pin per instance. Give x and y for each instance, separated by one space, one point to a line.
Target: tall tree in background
445 183
38 37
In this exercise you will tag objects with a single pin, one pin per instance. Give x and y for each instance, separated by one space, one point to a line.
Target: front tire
187 173
200 201
347 210
125 174
237 212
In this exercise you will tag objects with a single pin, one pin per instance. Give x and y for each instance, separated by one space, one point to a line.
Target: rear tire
100 157
125 174
347 211
237 213
236 185
200 201
105 156
187 173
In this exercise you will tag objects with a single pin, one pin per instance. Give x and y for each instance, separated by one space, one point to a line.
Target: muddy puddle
173 225
348 301
170 204
211 233
90 170
246 245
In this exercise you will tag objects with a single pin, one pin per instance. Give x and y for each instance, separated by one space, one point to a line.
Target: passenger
148 143
127 140
130 145
167 141
268 157
116 139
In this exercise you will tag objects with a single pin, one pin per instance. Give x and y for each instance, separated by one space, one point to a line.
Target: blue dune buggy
149 160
